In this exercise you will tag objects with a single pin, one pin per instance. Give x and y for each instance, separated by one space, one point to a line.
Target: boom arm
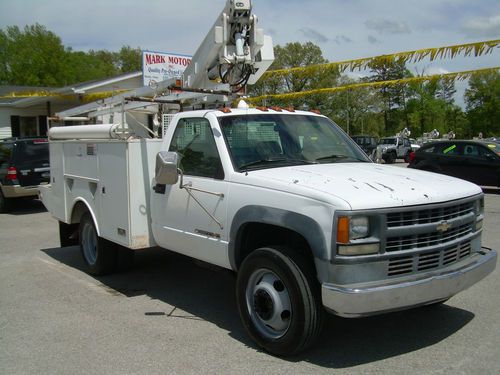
235 50
234 53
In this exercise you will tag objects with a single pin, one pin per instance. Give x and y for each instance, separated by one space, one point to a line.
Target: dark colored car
474 161
366 142
24 164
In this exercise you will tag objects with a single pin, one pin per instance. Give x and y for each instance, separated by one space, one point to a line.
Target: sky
343 29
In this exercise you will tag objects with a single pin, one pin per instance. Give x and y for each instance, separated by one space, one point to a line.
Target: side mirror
166 167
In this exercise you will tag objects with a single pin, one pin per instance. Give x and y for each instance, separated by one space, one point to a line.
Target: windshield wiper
337 157
274 160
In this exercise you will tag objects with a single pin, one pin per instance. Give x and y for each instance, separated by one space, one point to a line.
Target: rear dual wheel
279 300
100 255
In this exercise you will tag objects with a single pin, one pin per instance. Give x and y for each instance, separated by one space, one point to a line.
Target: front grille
402 243
429 237
429 260
425 216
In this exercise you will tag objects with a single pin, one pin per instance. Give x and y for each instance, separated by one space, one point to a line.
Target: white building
24 110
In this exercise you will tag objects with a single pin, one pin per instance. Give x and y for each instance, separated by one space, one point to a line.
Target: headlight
351 228
359 227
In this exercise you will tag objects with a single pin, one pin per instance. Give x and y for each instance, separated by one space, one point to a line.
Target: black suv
24 164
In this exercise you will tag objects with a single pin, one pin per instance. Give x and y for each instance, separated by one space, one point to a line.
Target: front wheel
99 254
279 300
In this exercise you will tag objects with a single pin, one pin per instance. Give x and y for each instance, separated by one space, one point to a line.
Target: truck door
192 219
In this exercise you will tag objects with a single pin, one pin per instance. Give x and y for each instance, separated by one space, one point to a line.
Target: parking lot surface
171 315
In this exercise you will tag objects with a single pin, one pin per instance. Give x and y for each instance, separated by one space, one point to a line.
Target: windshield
387 141
276 140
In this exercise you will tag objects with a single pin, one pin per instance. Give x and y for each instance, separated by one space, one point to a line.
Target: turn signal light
412 156
343 230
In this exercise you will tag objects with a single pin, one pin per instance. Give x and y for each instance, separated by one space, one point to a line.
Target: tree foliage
482 99
35 56
293 55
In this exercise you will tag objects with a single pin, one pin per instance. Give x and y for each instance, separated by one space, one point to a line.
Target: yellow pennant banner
448 52
90 97
330 90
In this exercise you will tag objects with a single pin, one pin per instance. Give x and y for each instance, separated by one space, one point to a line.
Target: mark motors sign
158 66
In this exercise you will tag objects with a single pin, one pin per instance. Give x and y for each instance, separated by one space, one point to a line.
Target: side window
486 152
193 140
472 150
407 142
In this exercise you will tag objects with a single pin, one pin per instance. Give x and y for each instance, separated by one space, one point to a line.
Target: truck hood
363 185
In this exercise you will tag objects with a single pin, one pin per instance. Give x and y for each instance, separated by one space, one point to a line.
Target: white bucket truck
283 198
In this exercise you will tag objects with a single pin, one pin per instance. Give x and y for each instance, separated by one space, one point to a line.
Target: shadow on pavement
196 291
25 206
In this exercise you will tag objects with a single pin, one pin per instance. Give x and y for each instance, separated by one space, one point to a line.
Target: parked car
24 164
474 161
366 142
393 148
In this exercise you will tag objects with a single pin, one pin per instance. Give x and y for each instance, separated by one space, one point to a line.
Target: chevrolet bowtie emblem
443 226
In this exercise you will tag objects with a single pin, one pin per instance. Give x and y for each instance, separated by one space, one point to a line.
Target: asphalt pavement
171 315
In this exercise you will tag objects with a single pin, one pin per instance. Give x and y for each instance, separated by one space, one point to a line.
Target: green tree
393 96
482 100
128 59
296 55
33 56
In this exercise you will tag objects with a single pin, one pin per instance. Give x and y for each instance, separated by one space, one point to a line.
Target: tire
5 203
68 234
99 254
279 300
391 158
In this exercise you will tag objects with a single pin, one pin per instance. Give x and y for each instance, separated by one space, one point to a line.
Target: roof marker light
243 105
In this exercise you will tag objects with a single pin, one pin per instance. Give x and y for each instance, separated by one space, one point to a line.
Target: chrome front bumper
363 300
